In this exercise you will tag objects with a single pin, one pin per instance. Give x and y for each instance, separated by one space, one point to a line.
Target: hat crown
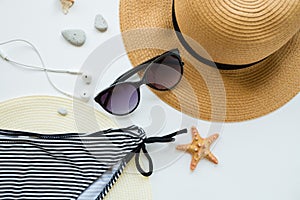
239 31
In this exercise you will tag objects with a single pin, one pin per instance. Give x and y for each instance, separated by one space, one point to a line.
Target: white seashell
66 5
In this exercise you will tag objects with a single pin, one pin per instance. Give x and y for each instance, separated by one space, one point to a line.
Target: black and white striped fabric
63 166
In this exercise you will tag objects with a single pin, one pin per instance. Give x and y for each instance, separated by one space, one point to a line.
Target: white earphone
86 77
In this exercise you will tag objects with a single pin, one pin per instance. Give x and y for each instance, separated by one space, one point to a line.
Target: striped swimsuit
63 166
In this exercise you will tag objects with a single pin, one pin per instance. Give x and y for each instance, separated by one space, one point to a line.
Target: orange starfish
199 148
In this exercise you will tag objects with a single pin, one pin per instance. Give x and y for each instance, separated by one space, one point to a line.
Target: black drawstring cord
142 146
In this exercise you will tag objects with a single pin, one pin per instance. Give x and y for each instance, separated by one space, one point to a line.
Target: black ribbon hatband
191 51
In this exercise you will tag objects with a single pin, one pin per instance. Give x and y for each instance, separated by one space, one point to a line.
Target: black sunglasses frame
137 84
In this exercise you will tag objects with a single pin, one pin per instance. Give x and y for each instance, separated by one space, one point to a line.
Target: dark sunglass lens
165 73
120 99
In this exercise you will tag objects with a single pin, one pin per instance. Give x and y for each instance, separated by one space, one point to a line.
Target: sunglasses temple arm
130 73
142 66
136 69
107 98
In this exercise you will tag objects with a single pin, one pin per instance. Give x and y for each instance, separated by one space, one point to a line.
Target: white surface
258 159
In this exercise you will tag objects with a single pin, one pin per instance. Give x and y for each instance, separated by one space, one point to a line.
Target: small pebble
74 36
62 111
100 23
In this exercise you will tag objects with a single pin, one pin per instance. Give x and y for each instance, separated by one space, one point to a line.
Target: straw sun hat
254 43
39 114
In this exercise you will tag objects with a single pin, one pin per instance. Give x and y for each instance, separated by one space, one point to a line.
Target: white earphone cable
43 68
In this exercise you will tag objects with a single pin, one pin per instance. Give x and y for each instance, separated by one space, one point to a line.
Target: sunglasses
161 73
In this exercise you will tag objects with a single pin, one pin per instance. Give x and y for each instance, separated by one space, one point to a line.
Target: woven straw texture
230 32
39 114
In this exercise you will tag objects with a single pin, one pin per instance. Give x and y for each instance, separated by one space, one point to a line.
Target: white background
258 159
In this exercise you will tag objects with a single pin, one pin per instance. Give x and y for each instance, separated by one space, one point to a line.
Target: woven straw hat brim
39 114
247 93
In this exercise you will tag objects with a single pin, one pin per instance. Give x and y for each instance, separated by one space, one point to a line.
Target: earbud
87 78
3 55
85 95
